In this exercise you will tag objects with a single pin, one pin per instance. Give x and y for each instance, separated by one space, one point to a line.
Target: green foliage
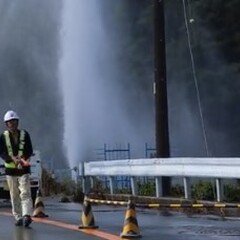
49 185
232 193
177 191
78 195
68 186
123 191
203 191
146 188
98 186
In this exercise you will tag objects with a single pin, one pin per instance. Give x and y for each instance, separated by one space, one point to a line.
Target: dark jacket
27 153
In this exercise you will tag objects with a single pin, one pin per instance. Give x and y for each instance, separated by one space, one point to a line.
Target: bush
67 186
123 191
232 193
78 195
177 191
202 191
146 189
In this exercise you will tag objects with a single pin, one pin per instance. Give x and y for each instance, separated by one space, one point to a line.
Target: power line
195 77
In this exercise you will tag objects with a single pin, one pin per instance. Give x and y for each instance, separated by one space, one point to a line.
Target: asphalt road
64 219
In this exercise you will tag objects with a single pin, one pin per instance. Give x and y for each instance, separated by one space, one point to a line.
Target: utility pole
160 90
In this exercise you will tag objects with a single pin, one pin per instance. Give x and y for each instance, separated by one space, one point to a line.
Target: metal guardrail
189 167
186 168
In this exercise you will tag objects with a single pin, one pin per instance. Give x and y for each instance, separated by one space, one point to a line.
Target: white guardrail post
111 183
187 187
134 186
158 184
219 189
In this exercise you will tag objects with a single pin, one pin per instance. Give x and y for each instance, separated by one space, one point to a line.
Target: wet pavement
153 225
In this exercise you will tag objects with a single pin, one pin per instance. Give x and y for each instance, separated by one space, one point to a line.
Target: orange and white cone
130 228
87 216
39 207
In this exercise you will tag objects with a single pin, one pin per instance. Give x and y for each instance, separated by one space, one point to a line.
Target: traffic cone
39 206
87 216
130 228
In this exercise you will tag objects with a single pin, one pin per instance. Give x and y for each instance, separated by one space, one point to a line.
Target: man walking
16 150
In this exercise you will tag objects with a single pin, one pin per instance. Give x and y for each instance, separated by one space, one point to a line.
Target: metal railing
185 168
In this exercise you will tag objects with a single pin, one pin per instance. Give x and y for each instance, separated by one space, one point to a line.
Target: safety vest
10 150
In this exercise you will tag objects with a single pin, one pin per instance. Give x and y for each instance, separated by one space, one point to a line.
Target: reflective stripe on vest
9 147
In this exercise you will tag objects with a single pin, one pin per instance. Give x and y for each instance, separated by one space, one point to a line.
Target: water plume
94 105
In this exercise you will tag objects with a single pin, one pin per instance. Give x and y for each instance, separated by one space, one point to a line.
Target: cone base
130 235
87 227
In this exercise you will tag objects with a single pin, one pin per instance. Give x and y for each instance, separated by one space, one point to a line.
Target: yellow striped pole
168 205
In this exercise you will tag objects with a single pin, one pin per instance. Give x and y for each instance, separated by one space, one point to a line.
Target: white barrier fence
185 168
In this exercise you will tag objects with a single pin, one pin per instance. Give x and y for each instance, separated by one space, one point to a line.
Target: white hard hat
9 115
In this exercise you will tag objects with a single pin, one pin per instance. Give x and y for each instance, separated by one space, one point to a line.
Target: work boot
27 220
19 222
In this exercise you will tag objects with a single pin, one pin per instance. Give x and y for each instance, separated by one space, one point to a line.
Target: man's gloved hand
24 162
20 162
17 161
